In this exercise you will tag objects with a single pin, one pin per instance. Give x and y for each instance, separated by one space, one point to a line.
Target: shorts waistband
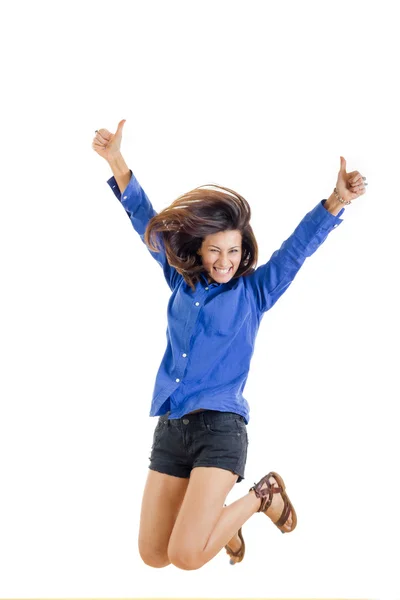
199 416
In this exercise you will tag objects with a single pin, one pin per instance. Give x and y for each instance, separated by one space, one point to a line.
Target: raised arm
132 197
140 210
121 171
271 280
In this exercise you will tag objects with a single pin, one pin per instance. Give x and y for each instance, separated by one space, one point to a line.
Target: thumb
342 164
120 127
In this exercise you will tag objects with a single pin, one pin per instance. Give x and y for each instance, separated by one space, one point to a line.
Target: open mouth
223 271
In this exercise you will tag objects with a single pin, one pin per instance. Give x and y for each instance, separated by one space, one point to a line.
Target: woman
206 247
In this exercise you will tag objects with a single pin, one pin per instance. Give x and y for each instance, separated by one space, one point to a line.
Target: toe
289 523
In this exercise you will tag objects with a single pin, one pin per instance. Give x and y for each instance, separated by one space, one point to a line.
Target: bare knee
154 557
185 559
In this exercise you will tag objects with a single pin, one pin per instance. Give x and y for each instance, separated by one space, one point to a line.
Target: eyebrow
220 248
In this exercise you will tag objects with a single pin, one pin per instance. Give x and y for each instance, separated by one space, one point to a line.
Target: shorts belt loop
203 418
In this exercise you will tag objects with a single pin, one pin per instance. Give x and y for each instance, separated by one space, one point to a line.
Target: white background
262 97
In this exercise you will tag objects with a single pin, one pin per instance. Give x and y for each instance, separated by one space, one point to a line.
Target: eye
215 250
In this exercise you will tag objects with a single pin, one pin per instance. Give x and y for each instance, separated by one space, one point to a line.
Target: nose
223 265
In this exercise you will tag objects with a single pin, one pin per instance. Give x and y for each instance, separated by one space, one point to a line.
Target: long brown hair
190 218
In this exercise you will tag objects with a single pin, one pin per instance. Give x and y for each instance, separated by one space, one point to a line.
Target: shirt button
185 421
197 303
177 380
206 288
125 197
184 355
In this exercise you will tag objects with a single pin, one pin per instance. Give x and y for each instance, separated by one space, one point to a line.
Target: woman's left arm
269 281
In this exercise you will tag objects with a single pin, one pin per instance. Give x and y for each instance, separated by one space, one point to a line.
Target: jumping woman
208 253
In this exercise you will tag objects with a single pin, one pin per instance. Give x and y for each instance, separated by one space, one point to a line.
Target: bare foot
275 510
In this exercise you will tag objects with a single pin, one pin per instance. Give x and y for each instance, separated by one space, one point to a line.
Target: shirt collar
212 284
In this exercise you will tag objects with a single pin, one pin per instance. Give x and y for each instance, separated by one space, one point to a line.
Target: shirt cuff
133 187
324 219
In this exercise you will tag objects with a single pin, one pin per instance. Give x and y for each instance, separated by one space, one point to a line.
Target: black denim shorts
204 439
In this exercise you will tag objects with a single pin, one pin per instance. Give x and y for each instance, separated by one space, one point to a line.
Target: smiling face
221 254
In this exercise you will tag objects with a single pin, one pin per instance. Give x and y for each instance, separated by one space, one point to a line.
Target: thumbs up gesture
108 144
349 185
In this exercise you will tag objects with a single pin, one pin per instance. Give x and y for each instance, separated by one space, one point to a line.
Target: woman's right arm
120 171
140 210
131 195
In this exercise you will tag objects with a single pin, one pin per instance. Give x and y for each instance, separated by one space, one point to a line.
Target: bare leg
162 499
204 526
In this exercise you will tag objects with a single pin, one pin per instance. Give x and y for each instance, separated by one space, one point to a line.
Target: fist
108 144
350 185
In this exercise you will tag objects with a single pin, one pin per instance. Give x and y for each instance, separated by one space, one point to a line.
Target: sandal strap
266 493
232 553
285 512
239 553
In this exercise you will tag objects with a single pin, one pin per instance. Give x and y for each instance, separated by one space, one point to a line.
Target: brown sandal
266 495
239 553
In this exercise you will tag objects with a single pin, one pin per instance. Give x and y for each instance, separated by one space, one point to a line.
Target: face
220 252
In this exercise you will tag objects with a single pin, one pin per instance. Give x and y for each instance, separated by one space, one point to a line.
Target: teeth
223 271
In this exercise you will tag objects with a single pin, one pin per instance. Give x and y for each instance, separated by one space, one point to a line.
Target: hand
108 144
349 185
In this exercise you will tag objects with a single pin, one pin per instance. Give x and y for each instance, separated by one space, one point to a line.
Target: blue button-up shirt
211 331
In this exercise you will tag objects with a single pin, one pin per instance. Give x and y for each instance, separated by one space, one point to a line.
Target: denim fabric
203 439
211 331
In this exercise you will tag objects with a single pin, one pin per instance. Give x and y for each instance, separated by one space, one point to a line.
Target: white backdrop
261 97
